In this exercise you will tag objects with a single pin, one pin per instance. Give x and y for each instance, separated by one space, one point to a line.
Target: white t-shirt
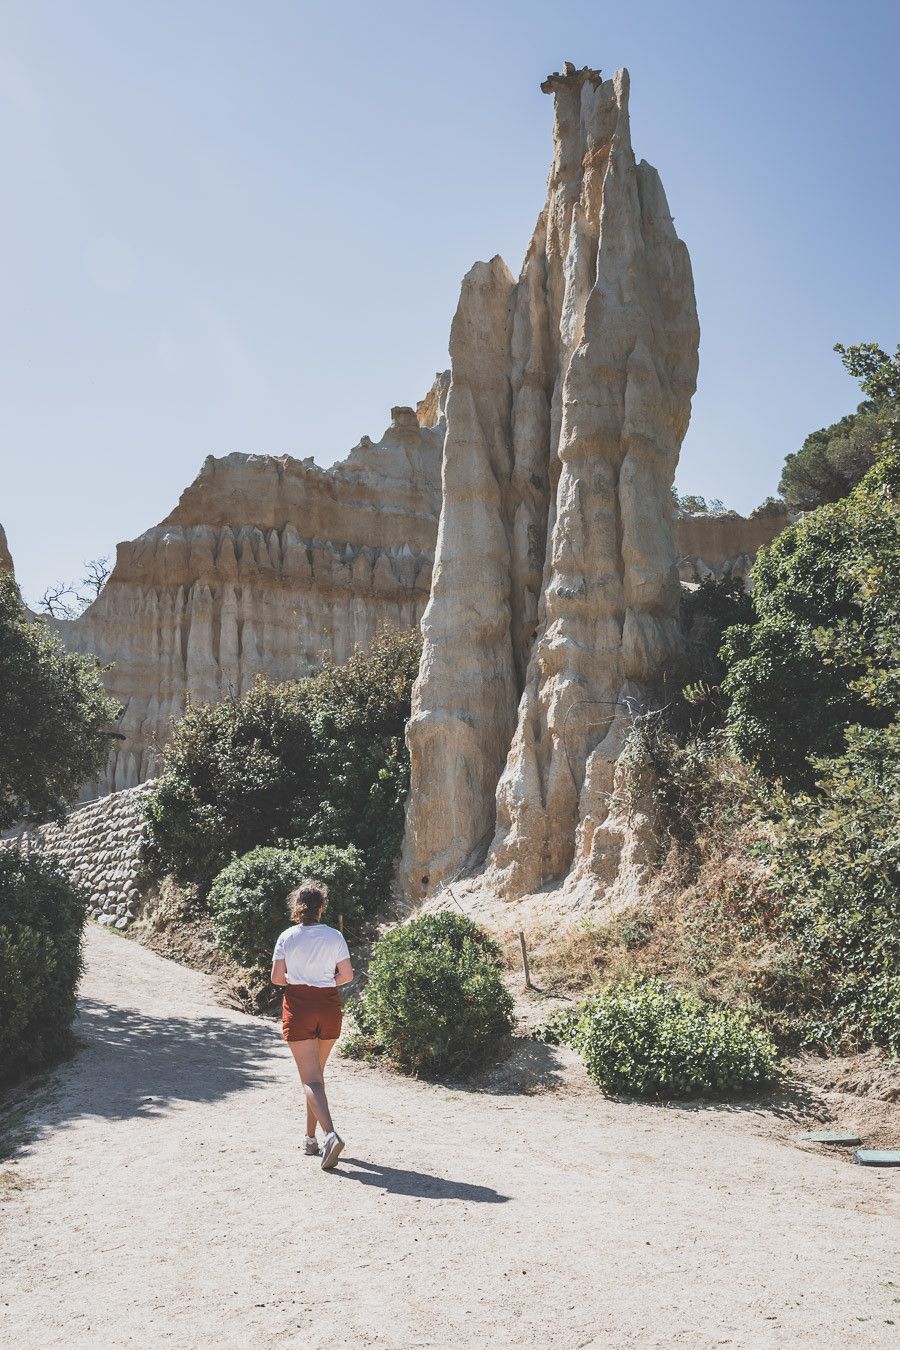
310 952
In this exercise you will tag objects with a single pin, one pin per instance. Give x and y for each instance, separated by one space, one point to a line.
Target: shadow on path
400 1181
131 1064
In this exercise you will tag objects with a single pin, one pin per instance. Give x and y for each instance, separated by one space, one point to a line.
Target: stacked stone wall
99 847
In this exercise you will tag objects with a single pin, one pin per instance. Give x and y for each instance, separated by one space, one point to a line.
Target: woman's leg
309 1065
325 1048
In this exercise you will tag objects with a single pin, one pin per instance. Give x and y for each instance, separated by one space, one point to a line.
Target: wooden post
528 984
340 923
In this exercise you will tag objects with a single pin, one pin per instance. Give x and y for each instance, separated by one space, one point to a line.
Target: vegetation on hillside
774 782
822 654
319 763
832 460
55 716
41 924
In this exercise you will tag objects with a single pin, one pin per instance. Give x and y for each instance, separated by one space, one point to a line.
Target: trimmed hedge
42 919
435 1002
248 899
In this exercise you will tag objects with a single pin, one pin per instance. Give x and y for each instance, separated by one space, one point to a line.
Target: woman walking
310 961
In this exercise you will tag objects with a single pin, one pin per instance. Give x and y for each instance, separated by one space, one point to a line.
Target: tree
317 761
825 652
237 776
66 600
699 506
832 460
878 373
54 715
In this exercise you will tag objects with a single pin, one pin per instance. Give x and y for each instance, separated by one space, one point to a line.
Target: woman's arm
279 972
343 972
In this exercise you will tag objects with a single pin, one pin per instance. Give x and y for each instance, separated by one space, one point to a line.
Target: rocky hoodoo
265 564
553 606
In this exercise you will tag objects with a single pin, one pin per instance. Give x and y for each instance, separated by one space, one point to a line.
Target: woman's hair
307 900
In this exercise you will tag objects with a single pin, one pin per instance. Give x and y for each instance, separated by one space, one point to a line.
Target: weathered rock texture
98 846
723 545
553 607
265 564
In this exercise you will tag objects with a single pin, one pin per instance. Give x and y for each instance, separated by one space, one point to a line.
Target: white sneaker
332 1150
311 1146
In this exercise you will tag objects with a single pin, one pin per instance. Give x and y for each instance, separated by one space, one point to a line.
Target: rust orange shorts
309 1013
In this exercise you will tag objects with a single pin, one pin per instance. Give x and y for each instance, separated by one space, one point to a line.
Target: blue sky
234 226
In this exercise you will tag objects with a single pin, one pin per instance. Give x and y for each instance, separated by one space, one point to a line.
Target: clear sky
242 226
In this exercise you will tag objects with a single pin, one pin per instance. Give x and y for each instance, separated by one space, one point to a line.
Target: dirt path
160 1198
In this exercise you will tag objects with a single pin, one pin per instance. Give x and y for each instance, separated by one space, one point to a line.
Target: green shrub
54 713
835 856
237 776
648 1040
358 713
248 899
823 654
319 761
435 1001
41 924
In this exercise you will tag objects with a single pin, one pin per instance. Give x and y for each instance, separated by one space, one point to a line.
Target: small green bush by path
435 1001
248 899
41 924
645 1039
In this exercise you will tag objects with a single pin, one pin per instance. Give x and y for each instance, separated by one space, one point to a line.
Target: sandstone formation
553 606
98 847
720 545
265 564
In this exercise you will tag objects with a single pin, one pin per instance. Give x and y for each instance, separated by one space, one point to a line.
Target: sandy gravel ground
158 1197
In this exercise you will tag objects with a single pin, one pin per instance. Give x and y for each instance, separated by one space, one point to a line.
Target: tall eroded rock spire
553 607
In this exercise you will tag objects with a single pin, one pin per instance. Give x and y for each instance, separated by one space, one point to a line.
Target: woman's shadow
400 1181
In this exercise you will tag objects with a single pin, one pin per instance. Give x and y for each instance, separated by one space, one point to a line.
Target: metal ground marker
831 1137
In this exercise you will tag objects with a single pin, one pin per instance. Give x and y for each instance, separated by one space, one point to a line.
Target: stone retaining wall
99 846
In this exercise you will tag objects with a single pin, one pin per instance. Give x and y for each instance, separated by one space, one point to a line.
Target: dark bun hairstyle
307 901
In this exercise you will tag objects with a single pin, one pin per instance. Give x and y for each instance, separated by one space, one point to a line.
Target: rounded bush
248 899
435 1001
42 918
647 1040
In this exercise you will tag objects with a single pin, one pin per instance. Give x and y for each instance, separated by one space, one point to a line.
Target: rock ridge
266 564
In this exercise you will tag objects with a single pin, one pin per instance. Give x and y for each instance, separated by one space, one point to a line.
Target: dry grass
12 1182
707 922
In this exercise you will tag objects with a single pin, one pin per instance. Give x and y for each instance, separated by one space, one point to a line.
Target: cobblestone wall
99 846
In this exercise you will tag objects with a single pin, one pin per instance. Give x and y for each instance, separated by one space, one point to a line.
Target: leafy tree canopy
54 714
825 652
832 460
318 761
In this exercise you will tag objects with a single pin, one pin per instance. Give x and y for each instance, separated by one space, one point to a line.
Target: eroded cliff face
554 602
265 564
